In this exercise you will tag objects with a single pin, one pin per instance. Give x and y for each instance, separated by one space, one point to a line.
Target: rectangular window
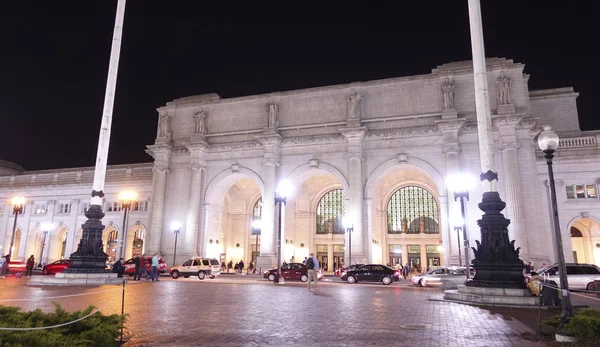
321 248
395 249
113 206
64 208
414 249
432 249
85 207
581 191
40 209
139 206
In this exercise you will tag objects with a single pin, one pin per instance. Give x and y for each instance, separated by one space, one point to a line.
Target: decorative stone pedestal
492 296
76 279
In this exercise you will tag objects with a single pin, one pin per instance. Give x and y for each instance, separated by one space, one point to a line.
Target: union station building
375 153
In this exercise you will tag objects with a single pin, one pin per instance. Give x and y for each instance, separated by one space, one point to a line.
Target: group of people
238 267
140 268
5 261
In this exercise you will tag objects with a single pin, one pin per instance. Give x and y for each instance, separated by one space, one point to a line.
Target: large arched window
257 215
413 210
330 212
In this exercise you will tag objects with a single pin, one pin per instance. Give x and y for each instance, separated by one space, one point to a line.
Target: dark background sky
54 59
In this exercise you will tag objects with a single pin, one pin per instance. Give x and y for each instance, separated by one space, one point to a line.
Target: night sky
54 59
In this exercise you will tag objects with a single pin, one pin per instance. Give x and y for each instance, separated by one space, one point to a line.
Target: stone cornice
451 124
354 133
397 133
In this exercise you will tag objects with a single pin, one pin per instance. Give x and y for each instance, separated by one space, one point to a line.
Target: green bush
584 325
96 330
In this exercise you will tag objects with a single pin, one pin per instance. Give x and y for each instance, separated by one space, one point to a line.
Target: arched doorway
15 249
138 243
112 245
585 241
63 243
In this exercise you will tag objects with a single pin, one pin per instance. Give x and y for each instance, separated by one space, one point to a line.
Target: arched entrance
585 241
110 237
407 218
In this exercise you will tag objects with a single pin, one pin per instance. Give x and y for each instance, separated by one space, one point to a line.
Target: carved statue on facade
448 94
272 115
164 126
354 105
503 84
200 121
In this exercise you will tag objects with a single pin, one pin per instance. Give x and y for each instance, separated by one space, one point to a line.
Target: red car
16 266
56 267
292 271
130 265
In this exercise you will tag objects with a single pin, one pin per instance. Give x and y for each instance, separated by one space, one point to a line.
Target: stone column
162 158
268 235
71 228
450 208
25 221
360 238
507 127
190 239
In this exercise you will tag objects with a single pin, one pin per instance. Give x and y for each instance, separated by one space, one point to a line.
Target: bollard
597 289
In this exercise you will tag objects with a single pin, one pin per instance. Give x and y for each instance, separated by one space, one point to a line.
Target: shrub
585 324
95 330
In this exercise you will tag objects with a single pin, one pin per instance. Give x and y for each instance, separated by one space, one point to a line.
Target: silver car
579 276
444 277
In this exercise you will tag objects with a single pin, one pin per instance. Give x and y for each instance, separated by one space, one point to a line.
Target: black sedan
372 273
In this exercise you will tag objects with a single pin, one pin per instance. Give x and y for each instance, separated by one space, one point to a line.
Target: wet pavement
241 310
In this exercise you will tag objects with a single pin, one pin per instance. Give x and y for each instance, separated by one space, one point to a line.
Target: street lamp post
284 190
46 227
256 226
127 197
176 227
458 228
460 185
548 142
349 229
18 205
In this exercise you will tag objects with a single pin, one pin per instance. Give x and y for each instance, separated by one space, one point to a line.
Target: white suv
200 267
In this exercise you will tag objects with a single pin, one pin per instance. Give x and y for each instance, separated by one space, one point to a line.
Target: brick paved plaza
249 311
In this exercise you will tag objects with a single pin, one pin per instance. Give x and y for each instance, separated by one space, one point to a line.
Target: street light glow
175 225
547 139
285 189
461 182
347 221
47 226
257 224
128 195
18 200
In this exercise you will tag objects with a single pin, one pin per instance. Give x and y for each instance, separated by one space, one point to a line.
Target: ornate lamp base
89 257
496 263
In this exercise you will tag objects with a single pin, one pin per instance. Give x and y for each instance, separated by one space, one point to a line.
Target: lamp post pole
126 205
279 201
548 142
176 232
457 229
283 190
350 230
42 252
18 203
462 195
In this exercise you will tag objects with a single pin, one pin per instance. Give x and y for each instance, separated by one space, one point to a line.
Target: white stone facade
215 158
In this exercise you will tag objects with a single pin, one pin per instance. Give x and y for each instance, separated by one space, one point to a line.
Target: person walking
251 266
312 264
405 271
155 267
229 265
241 266
3 266
139 265
29 266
